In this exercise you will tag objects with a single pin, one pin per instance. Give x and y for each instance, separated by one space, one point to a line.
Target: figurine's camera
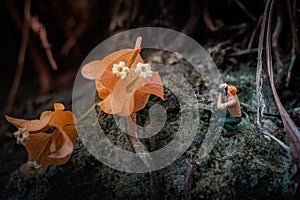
223 90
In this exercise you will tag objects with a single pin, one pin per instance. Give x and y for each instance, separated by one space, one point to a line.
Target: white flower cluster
121 70
34 167
144 70
21 135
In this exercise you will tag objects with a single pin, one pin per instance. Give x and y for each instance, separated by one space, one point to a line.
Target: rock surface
244 166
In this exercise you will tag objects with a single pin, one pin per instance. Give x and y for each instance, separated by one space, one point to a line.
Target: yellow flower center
120 69
143 69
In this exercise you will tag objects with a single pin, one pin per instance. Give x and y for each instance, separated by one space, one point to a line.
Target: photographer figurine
232 106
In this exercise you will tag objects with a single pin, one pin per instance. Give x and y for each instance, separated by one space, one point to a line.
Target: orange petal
123 96
109 79
63 138
31 125
138 42
37 147
103 92
54 139
66 148
126 55
140 101
59 106
133 95
93 70
41 147
151 85
61 120
101 70
105 105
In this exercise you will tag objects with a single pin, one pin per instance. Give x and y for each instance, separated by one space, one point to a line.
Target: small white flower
144 70
21 135
34 167
120 70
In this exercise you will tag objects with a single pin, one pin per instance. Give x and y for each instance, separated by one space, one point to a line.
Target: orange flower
124 81
46 148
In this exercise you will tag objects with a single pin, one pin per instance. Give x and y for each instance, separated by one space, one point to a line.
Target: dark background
61 18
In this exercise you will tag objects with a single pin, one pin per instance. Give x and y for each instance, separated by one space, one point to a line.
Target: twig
293 60
192 21
207 145
276 48
292 131
71 41
264 114
84 115
237 27
276 34
260 98
155 185
259 81
259 73
21 57
243 52
207 20
244 8
143 153
138 146
39 28
41 67
254 32
135 10
33 49
292 16
189 181
268 134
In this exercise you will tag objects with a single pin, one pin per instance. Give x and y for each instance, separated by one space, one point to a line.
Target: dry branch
80 28
292 16
138 146
143 153
39 28
292 131
192 22
207 19
244 8
276 48
254 32
259 73
27 42
290 128
291 65
21 57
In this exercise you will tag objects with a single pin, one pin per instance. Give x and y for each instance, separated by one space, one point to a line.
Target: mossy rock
244 166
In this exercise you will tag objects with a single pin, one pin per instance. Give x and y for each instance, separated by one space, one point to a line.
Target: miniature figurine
232 106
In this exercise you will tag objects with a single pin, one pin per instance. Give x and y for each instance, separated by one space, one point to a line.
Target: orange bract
122 97
46 148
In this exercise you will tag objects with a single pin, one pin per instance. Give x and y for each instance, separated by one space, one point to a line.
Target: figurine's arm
229 103
220 104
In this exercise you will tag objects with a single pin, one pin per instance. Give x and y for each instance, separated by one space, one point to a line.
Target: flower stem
138 146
